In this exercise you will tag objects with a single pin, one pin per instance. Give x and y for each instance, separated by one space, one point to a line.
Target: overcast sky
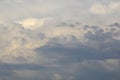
59 40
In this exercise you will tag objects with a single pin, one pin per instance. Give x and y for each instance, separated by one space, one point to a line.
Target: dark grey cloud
100 45
87 60
69 24
8 70
94 71
6 73
6 66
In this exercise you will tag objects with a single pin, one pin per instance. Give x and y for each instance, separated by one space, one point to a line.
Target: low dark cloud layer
5 66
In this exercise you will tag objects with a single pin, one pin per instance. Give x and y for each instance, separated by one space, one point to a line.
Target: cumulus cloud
60 52
66 39
18 42
59 40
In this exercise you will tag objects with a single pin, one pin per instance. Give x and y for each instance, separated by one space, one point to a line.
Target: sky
59 40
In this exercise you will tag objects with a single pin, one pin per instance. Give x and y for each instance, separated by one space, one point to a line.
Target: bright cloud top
32 23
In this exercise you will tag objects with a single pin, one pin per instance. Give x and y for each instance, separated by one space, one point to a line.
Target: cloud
98 43
93 69
5 73
10 66
25 9
13 71
80 39
17 44
60 49
32 23
103 9
12 1
59 40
